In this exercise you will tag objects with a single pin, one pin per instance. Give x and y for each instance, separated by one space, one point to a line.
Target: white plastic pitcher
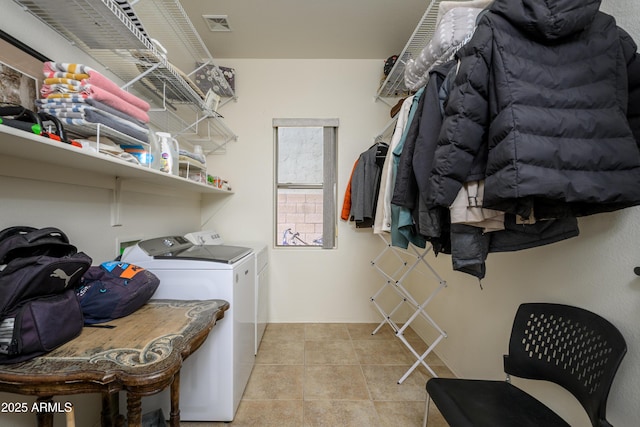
169 152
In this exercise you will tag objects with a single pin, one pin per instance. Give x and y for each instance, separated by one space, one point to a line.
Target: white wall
341 280
593 271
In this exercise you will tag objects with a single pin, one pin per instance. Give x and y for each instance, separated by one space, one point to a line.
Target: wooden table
141 354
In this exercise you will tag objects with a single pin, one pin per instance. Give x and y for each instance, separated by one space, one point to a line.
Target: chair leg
426 411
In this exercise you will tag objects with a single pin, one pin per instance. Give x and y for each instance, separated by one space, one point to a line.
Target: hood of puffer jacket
548 19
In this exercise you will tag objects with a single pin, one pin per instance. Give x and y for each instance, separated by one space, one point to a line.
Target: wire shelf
98 129
393 85
105 32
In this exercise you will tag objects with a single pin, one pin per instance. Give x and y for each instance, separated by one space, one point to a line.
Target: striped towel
52 69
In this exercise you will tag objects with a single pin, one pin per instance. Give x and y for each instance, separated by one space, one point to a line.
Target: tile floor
335 375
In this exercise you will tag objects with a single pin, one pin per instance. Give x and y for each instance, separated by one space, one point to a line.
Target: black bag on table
39 310
37 326
38 262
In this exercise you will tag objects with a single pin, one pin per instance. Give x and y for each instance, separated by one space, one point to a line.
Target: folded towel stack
197 159
79 95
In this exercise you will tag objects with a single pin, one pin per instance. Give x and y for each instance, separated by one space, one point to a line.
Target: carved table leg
107 410
174 419
121 421
134 410
45 418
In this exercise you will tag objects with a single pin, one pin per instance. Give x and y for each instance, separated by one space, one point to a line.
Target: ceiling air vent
217 22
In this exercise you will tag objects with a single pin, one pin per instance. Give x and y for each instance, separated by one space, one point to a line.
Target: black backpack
35 327
38 268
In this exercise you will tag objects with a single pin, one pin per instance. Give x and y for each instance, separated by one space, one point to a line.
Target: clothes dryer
211 237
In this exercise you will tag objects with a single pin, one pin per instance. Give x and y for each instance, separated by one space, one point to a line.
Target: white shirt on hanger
382 221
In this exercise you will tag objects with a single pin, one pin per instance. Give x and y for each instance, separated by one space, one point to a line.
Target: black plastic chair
570 346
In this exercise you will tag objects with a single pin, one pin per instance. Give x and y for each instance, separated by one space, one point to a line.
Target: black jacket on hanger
468 245
539 111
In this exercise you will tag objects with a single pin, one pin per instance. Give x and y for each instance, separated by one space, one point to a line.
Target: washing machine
213 379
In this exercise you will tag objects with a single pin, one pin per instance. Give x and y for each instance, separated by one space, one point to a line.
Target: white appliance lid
177 247
216 253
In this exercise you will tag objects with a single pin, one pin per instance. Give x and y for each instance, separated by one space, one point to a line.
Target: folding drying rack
409 262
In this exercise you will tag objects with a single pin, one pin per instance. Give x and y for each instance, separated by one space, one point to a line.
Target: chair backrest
570 346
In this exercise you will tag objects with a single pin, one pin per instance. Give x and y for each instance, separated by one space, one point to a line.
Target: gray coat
365 183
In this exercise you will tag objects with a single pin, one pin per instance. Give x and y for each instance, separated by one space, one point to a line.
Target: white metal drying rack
409 261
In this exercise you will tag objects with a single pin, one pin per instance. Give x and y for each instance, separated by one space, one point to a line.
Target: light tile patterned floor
336 375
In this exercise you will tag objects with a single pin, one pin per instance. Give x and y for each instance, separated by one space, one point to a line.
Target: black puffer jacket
539 110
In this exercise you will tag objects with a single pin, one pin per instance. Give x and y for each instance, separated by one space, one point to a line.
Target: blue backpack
114 289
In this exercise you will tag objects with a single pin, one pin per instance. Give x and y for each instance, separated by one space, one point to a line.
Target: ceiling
307 29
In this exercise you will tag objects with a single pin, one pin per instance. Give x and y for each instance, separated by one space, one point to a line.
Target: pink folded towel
95 79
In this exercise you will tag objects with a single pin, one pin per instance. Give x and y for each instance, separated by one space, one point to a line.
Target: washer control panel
164 245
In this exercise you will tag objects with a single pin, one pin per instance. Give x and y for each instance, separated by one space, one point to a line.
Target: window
305 182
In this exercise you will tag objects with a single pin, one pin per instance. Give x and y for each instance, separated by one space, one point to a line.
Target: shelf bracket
141 76
389 126
116 202
226 101
204 64
193 125
227 134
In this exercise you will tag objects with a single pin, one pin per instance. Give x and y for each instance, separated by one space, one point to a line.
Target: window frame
328 186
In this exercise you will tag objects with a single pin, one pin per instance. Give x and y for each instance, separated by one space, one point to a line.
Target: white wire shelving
129 50
393 86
